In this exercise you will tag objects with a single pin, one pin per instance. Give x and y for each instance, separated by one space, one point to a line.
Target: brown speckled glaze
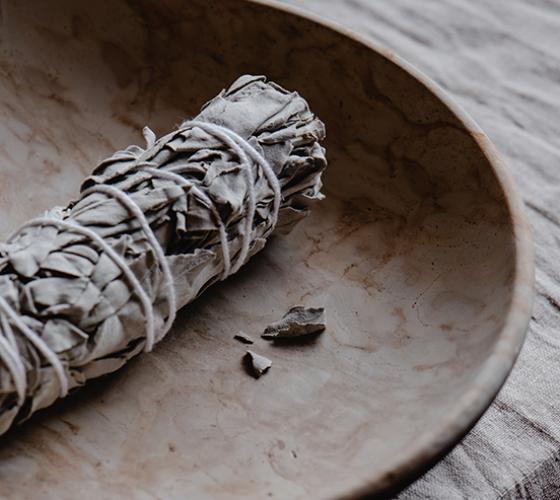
420 255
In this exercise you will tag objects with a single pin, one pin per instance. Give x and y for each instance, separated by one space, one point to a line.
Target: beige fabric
500 59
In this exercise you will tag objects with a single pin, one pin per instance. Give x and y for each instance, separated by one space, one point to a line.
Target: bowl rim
424 452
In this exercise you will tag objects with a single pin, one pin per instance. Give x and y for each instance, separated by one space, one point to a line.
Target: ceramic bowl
420 254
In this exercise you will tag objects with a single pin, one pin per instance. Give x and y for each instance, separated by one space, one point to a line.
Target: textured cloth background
500 59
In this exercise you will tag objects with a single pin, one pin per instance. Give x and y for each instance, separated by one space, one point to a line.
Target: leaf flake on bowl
258 365
299 321
243 337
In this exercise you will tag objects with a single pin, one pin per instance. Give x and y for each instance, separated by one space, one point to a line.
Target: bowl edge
424 452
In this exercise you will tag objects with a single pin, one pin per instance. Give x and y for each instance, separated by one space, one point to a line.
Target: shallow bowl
420 254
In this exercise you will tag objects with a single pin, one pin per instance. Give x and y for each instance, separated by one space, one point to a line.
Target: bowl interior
412 254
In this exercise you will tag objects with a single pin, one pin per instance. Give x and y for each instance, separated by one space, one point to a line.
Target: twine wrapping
86 287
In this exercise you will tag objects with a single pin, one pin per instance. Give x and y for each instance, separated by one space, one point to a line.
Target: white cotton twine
9 352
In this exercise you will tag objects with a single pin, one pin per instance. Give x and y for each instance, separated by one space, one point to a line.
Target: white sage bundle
86 287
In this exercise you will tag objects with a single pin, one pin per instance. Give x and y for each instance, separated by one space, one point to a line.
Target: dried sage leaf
258 365
297 322
243 338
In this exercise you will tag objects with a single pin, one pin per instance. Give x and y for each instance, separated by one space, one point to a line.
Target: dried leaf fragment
297 322
257 364
243 337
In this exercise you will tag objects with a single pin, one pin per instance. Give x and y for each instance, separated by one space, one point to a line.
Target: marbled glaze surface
416 254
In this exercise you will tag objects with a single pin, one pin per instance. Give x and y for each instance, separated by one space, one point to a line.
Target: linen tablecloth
500 60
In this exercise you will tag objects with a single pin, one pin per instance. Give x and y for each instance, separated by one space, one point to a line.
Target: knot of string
247 154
